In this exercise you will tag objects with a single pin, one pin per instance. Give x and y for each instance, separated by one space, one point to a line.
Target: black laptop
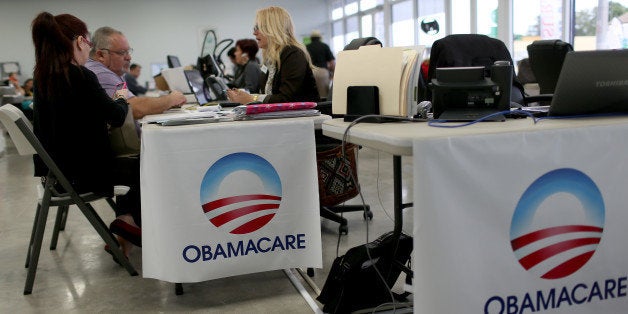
592 82
204 95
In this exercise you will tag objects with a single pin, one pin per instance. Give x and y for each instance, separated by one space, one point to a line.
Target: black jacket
294 80
73 127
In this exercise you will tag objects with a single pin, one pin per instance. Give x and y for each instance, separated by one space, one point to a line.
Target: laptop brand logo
611 83
553 251
241 193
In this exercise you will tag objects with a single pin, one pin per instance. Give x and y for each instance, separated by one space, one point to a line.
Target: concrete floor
79 276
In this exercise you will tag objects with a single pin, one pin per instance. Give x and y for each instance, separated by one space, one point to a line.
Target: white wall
154 28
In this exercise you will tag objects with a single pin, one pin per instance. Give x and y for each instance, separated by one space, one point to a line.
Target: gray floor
79 276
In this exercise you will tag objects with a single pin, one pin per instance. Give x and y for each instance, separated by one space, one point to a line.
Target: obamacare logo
241 193
553 252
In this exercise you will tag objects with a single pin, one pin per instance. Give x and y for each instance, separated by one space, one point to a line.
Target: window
431 21
534 20
367 25
338 40
600 24
590 24
402 23
354 19
487 17
336 10
369 4
353 29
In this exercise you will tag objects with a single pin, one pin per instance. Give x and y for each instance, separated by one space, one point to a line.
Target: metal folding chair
21 133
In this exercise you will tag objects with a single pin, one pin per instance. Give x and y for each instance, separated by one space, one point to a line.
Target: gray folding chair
21 133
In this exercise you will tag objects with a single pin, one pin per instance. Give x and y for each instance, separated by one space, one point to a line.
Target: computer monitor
173 61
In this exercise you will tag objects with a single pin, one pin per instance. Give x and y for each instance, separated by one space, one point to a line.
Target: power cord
353 177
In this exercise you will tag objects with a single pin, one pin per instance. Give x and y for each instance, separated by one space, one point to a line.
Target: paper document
392 69
178 115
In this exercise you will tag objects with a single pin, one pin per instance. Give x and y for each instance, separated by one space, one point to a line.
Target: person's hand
176 98
239 96
121 93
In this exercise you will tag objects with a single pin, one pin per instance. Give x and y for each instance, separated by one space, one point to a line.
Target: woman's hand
121 93
239 96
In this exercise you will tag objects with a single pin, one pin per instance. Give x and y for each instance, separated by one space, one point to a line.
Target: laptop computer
197 86
592 82
203 94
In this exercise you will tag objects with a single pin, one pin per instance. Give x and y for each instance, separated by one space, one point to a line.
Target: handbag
125 140
335 174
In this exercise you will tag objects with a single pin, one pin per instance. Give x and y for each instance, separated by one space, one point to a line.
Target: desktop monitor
173 61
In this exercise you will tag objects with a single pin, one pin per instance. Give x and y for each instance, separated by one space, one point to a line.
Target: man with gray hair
110 58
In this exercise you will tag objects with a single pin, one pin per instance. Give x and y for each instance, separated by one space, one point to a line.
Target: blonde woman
287 70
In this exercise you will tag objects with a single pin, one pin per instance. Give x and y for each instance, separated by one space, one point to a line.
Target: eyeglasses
120 53
255 28
89 43
85 40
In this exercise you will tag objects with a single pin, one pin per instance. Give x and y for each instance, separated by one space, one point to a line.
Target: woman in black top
287 68
72 114
248 73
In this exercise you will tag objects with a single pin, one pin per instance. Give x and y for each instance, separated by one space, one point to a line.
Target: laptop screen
197 85
592 82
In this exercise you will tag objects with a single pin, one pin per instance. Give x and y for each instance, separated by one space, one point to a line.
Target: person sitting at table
28 87
110 58
12 80
287 68
74 134
131 80
248 73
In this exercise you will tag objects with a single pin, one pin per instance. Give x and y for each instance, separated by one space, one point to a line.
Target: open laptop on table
592 82
202 93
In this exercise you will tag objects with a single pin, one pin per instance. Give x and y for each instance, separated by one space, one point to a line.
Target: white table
472 178
229 198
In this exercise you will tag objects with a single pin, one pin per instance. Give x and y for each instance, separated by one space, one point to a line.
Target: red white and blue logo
241 193
553 251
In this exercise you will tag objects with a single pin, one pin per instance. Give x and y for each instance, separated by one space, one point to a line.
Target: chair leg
64 220
30 243
325 212
42 216
178 288
61 211
104 232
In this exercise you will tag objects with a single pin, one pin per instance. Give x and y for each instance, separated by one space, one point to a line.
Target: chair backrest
466 50
18 127
546 61
21 132
364 41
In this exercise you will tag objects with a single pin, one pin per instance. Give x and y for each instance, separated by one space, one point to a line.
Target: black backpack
353 283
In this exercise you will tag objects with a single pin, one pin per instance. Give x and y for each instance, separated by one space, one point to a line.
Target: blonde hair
276 25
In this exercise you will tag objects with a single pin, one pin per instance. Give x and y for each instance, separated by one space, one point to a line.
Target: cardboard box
160 82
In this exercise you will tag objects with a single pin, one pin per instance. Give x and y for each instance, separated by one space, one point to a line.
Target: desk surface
396 138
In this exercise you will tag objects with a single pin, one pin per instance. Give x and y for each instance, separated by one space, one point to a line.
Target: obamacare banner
226 199
533 222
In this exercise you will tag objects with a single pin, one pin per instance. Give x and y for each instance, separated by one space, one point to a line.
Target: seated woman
76 135
287 67
248 74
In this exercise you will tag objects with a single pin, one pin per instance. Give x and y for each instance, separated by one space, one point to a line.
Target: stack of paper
394 70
